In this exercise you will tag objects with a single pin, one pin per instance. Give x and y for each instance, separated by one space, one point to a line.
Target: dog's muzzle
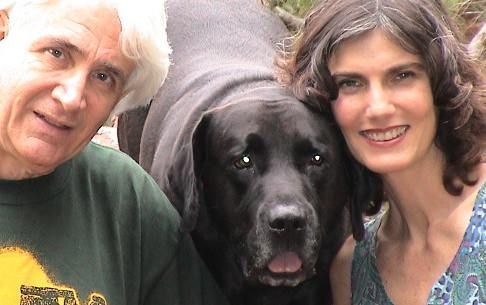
283 247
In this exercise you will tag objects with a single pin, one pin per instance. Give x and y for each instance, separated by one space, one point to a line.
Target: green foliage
469 14
295 7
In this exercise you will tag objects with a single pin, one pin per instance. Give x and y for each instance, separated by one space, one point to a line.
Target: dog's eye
317 159
243 162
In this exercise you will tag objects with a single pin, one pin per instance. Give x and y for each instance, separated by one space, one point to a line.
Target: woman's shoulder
342 264
341 272
345 253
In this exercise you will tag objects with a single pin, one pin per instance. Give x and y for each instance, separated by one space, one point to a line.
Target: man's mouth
51 121
384 135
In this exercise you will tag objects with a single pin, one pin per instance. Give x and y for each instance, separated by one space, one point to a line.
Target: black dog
255 174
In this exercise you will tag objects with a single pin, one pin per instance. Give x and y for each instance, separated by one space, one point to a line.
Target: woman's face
385 105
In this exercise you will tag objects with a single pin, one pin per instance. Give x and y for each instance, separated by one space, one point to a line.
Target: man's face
61 75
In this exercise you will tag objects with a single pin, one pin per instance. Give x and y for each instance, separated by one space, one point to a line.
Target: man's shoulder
107 160
113 169
116 175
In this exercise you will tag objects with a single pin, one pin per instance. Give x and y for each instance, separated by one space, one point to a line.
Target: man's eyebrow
66 44
115 71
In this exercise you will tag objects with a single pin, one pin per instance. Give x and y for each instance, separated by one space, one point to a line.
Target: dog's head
267 192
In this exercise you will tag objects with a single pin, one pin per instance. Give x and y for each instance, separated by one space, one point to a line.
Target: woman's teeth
385 136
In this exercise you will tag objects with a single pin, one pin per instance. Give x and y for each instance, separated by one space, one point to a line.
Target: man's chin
39 160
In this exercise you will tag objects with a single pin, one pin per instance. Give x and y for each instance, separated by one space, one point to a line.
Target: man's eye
243 162
104 78
55 52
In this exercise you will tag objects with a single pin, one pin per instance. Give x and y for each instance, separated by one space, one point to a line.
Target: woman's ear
3 24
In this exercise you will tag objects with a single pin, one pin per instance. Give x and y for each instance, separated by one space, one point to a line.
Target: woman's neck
419 203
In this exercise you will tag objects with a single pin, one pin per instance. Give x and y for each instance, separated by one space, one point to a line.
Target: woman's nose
380 102
71 91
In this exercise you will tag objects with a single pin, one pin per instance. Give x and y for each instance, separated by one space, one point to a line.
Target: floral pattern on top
463 283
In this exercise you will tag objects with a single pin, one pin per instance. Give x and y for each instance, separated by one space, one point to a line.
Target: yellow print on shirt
23 281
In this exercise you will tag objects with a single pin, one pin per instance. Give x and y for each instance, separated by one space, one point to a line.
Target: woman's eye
349 86
348 83
243 162
317 159
405 75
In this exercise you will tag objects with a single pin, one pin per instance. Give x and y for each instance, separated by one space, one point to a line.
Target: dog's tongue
287 262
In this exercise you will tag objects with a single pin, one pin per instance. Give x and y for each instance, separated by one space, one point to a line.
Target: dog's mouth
287 262
285 269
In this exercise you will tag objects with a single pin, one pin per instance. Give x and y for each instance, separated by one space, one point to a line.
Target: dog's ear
195 156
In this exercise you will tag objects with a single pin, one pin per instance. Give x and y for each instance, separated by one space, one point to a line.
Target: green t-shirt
96 231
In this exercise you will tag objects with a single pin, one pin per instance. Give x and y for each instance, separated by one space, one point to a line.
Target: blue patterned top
463 283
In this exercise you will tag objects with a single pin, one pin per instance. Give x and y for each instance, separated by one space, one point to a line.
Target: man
81 223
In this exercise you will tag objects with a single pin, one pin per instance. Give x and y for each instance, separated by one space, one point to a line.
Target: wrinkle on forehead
92 26
94 15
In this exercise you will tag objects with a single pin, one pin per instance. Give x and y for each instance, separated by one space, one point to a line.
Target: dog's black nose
286 219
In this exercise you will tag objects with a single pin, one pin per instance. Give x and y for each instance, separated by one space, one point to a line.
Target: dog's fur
255 174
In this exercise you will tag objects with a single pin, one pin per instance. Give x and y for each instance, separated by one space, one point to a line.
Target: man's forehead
76 28
46 12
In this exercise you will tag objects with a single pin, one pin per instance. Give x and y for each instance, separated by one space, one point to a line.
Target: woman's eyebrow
392 69
407 66
346 75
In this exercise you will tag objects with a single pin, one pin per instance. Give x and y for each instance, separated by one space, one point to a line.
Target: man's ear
3 24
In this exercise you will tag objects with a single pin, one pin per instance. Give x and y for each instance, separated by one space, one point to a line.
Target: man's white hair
143 39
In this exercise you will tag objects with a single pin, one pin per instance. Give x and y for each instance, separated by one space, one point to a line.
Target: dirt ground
106 135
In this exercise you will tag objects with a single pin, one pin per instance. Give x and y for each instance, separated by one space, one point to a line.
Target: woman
411 108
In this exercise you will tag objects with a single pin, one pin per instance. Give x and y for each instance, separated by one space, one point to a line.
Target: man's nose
380 102
71 91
